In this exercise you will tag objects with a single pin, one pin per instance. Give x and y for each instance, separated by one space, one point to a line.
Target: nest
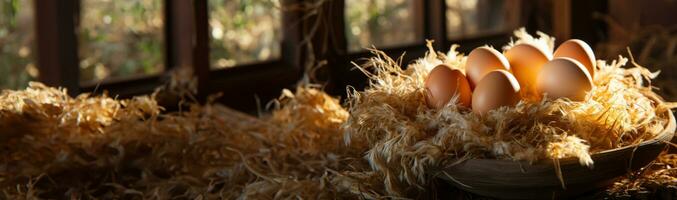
407 138
378 145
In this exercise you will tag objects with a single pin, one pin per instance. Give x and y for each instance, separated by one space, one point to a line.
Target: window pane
244 31
120 38
382 23
467 18
16 44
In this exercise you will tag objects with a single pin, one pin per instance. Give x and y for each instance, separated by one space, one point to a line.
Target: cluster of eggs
492 80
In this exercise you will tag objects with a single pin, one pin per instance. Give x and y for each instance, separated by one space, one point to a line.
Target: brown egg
564 78
443 83
498 88
526 61
580 51
481 61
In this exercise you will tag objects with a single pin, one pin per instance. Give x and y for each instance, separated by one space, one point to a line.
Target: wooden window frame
243 85
58 61
433 16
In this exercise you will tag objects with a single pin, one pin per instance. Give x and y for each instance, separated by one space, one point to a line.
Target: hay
380 144
96 146
407 139
656 181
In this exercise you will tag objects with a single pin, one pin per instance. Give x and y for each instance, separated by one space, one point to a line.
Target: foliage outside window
468 18
17 66
120 38
382 23
244 31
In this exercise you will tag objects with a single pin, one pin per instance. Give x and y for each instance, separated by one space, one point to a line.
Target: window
472 18
120 39
249 48
16 44
243 31
382 23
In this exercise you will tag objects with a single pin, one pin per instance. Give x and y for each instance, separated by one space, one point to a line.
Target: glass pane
244 31
467 18
120 38
17 65
381 23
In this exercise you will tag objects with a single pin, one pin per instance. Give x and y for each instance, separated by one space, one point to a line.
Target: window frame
242 86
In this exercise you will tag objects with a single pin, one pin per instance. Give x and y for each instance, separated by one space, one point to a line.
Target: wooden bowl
520 180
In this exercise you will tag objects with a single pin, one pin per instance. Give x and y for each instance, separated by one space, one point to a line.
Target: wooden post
328 41
435 24
561 20
57 44
292 50
179 31
201 65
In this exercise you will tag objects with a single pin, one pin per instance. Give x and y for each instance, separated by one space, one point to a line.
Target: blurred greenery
244 31
382 23
125 38
120 38
16 44
467 18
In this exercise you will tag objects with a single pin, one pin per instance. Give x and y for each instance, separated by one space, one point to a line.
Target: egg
564 78
443 83
526 61
580 51
481 61
498 88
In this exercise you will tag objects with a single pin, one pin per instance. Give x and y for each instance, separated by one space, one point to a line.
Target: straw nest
378 145
407 139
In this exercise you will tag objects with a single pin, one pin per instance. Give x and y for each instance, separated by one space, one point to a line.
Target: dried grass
407 139
55 146
656 181
380 144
